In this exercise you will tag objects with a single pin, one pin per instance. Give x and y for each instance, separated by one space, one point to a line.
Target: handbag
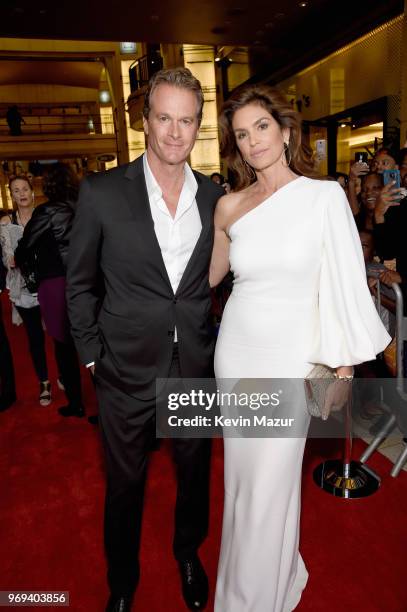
316 385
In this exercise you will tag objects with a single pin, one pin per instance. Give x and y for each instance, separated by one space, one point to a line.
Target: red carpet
51 509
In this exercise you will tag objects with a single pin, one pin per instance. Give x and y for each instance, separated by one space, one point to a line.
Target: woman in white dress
299 298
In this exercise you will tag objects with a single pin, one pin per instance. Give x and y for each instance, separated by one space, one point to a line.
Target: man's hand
389 196
92 369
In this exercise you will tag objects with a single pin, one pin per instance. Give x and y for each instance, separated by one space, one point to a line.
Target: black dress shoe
118 604
93 419
69 411
194 583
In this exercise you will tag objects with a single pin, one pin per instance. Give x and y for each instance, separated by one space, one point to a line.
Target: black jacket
390 237
47 235
130 337
390 241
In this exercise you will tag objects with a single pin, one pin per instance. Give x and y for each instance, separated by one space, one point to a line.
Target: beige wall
200 59
364 70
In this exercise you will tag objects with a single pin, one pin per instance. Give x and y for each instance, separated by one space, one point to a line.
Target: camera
391 175
361 156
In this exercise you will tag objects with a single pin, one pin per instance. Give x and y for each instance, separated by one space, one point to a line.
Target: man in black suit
7 383
146 230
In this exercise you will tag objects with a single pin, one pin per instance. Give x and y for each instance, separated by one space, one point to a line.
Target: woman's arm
220 255
357 170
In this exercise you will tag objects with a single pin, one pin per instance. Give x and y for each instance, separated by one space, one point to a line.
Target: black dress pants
36 339
7 381
69 369
128 429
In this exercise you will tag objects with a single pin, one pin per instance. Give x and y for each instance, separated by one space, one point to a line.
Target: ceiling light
104 96
343 125
303 4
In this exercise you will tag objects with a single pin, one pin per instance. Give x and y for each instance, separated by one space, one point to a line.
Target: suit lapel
205 213
139 206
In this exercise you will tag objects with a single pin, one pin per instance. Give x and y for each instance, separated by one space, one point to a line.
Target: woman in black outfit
47 235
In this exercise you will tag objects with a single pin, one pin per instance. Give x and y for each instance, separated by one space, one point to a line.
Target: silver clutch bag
316 384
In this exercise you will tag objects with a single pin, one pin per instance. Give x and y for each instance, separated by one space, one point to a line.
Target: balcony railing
35 126
143 69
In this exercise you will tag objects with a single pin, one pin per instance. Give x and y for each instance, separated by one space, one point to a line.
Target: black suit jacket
128 330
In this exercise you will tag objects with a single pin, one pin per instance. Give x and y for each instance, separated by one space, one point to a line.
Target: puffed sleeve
350 330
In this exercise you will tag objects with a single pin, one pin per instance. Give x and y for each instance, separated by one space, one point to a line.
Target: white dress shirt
176 236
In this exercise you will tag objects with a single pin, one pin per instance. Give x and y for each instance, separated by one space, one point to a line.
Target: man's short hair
178 77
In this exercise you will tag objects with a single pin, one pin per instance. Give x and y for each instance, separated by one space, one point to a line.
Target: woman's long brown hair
298 153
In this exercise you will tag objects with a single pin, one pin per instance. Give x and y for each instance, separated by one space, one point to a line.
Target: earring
287 155
251 172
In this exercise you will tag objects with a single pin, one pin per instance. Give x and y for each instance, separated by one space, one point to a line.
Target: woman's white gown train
299 298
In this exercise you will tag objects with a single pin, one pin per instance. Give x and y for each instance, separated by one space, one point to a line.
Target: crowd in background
34 243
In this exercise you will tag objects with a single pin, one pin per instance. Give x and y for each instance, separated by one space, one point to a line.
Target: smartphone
391 175
361 156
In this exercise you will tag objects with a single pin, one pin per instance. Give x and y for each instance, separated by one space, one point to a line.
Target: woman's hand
388 277
357 170
337 395
11 262
389 196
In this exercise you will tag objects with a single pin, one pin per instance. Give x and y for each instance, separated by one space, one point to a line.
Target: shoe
60 383
93 419
7 402
118 604
45 393
69 411
194 583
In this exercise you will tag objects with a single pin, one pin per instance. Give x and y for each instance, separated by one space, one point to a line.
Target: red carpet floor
51 506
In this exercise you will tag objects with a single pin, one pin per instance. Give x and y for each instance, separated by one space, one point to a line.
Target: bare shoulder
227 208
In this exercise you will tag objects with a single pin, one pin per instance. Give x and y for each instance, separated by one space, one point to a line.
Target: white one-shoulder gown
299 298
